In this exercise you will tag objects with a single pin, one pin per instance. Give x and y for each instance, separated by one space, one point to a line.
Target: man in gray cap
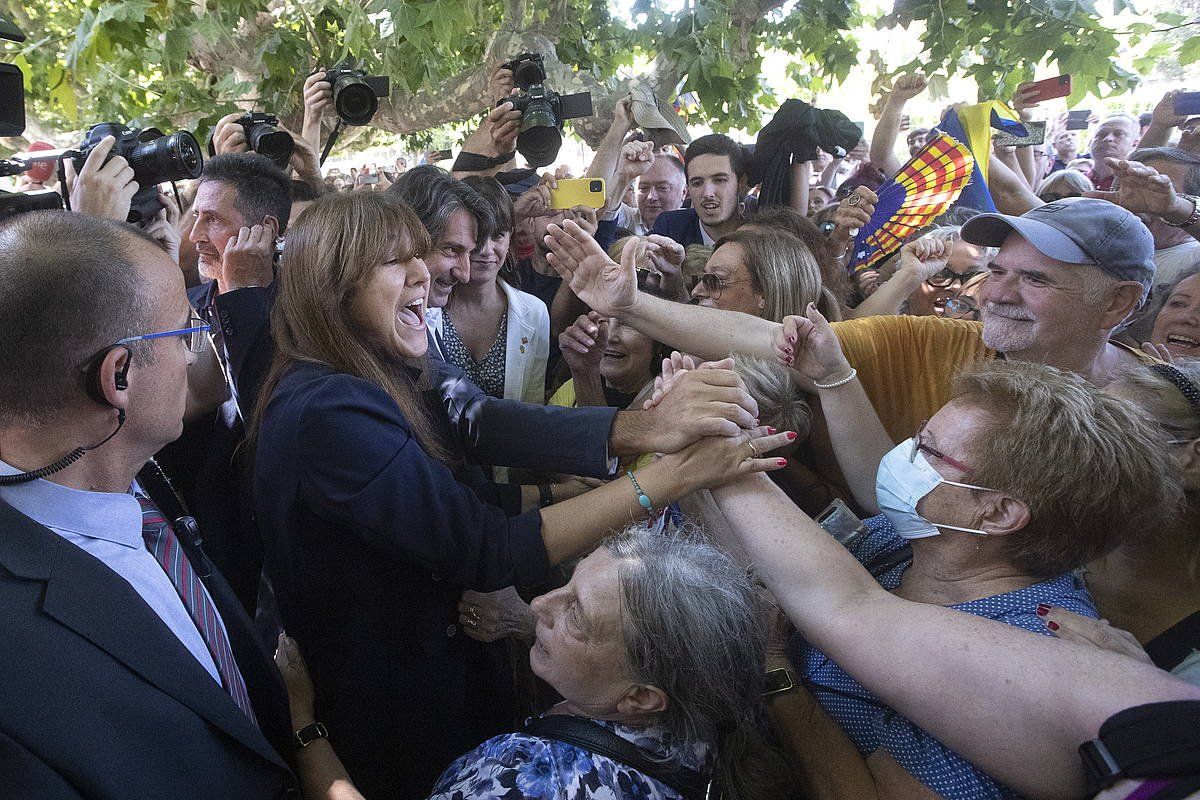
1067 274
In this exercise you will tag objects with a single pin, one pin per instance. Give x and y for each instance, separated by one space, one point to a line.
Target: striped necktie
164 546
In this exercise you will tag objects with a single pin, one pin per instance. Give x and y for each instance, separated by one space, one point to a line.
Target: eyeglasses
947 277
713 283
194 336
960 306
919 446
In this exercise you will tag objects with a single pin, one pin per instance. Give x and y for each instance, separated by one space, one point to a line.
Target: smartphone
1187 104
843 524
573 192
440 155
1051 88
368 179
1037 135
1078 120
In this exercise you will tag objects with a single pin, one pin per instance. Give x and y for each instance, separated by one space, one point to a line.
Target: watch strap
1193 218
309 734
778 681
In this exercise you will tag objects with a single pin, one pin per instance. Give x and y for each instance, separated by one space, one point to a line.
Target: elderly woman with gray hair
657 647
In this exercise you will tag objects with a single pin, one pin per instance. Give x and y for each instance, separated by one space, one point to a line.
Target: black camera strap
589 736
1156 740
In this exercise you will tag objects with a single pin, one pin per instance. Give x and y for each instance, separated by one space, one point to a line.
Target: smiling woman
373 524
1177 326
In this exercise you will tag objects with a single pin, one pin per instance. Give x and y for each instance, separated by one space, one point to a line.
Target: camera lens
269 141
528 73
353 99
166 158
539 139
596 186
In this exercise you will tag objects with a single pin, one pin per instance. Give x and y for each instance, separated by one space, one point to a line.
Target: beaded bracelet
836 384
642 498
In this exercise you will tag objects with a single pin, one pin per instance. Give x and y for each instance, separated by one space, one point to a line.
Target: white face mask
900 484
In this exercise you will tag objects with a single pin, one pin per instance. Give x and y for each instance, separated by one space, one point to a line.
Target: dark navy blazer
682 225
99 699
369 544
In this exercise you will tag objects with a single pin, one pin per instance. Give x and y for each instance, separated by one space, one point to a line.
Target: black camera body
542 109
264 137
154 157
356 94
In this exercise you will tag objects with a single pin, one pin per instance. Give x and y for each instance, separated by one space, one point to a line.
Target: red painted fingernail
781 462
771 431
1052 625
791 435
1043 609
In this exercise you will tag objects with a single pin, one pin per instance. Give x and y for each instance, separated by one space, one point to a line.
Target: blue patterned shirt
518 766
871 724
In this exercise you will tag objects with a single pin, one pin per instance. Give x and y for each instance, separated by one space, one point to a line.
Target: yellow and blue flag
972 127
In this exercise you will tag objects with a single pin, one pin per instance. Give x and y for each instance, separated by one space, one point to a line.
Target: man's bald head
70 286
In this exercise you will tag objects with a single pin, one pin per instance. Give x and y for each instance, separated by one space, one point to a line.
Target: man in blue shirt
130 668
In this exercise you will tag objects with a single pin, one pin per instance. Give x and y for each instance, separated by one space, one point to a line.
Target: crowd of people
660 499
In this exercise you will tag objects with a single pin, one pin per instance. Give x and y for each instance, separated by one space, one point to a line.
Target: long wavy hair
332 252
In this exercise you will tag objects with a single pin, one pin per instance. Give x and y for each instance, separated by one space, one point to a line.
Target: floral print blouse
518 766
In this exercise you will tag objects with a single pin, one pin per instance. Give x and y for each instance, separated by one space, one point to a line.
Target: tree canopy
179 63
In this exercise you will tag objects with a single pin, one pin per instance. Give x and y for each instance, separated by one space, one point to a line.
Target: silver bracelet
853 374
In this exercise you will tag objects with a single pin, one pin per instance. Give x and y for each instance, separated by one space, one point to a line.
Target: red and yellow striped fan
923 189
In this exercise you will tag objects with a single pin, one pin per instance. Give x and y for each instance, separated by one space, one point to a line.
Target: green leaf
1189 52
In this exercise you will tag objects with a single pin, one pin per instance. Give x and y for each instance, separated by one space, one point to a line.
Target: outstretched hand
597 280
1143 190
809 345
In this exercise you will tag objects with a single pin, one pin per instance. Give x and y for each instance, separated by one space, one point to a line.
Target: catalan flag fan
972 126
924 188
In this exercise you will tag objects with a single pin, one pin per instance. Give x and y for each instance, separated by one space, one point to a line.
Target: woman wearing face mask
987 509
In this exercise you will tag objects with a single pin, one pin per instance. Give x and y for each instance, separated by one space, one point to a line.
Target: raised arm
809 345
611 289
883 140
604 163
1144 190
1163 122
969 681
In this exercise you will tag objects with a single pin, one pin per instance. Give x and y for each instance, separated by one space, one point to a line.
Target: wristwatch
1193 218
779 681
309 734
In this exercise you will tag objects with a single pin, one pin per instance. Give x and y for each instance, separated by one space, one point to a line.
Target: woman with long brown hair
370 531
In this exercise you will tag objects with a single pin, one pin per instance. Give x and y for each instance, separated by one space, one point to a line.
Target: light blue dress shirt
108 526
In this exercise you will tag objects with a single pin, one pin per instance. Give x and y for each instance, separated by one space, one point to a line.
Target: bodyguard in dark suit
129 668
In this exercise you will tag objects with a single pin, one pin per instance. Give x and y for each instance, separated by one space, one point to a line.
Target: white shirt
108 527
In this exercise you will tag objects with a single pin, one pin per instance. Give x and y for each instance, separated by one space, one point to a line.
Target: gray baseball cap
1076 230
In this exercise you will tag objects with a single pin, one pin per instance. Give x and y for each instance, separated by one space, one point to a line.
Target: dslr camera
264 137
542 109
154 156
12 123
356 94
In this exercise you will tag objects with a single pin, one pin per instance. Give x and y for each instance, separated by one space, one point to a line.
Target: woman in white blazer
497 334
